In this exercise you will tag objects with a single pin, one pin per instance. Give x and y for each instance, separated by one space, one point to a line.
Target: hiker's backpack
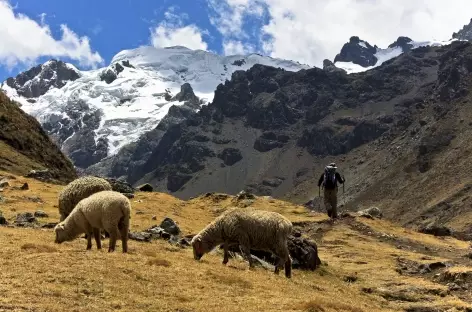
329 177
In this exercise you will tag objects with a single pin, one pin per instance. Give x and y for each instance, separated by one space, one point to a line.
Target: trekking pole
319 198
344 195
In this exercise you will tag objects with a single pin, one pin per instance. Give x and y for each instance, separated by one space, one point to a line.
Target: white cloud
311 30
228 17
24 41
173 32
233 47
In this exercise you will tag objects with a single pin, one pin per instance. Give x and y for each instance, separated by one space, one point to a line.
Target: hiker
329 181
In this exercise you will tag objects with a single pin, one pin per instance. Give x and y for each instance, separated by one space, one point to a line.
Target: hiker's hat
332 165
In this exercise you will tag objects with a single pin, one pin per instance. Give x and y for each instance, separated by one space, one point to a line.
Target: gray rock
170 226
40 214
3 221
4 183
41 175
372 212
145 187
436 230
25 219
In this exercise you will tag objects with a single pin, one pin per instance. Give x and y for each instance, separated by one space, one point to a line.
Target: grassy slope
25 146
38 275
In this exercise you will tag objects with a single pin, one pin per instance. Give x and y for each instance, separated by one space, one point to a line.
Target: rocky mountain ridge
93 114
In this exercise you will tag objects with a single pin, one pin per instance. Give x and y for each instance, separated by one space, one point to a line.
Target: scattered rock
350 278
24 187
140 237
230 156
304 253
170 226
145 188
40 214
4 183
3 221
139 212
372 212
154 218
120 186
41 175
244 195
25 219
436 230
129 195
429 267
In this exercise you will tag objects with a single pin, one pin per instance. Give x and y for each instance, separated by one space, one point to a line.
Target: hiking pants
331 202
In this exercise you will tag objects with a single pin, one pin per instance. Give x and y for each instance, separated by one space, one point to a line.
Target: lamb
249 228
79 189
108 210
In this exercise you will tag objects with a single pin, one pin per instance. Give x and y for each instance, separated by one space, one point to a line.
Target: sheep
249 228
79 189
108 210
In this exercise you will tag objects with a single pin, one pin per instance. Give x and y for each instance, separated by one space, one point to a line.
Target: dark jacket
338 179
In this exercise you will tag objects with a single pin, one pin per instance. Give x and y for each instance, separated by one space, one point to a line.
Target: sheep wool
250 229
108 210
79 189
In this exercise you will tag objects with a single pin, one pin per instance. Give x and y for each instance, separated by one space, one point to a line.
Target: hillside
271 132
367 265
25 146
93 114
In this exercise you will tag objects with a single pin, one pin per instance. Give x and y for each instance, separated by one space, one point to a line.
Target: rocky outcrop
39 79
358 52
402 42
465 33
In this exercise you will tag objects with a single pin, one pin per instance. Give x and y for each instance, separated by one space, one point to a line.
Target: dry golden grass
38 275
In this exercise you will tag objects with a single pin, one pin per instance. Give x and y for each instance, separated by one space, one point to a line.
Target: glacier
136 97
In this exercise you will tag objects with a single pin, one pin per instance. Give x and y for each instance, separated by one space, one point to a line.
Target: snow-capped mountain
93 114
358 55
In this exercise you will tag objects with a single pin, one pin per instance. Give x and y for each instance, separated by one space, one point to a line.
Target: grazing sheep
108 210
79 189
249 228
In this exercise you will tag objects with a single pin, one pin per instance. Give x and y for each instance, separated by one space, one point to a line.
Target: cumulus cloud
233 47
311 30
173 32
24 41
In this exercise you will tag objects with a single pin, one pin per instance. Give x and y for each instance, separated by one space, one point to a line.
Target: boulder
145 187
120 186
372 212
3 221
436 230
25 219
40 214
41 175
4 183
230 156
170 226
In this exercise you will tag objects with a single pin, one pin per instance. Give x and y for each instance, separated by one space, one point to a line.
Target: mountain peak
465 33
39 79
357 51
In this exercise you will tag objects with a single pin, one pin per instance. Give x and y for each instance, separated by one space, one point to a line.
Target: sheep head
60 232
200 247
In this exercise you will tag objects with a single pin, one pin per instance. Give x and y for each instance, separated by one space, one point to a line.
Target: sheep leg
98 238
284 261
124 238
113 238
89 240
247 253
225 252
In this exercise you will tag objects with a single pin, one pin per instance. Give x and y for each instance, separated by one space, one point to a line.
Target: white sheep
108 210
79 189
250 229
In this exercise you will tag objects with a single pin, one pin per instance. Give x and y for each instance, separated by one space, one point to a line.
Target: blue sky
88 33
